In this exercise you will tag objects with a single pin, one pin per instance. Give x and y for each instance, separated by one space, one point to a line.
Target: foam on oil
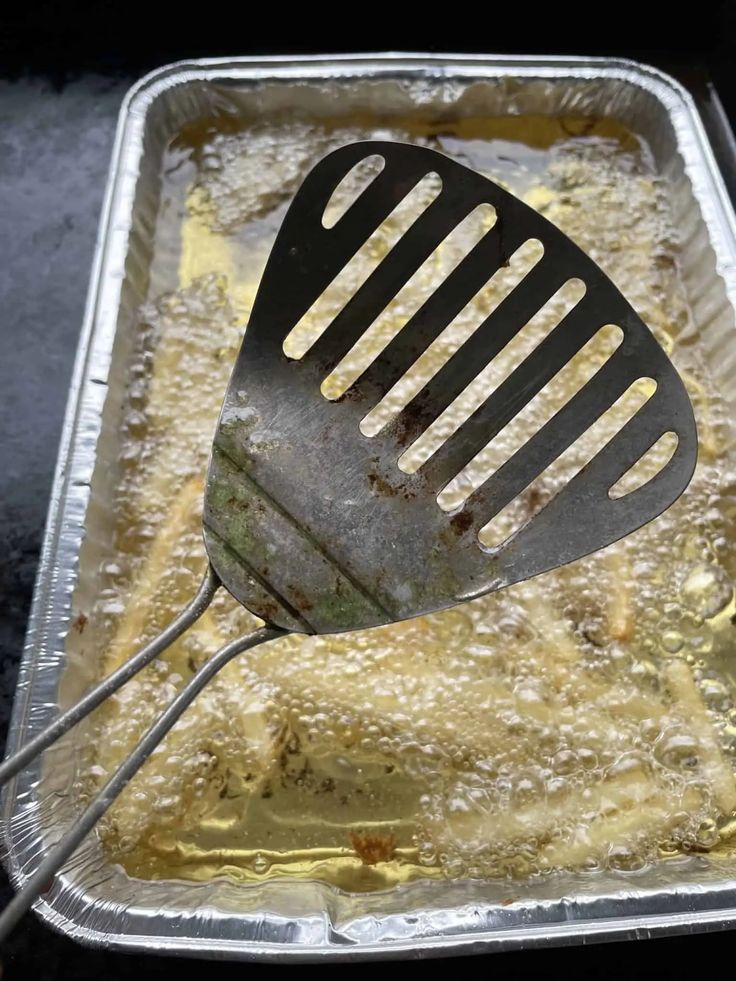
583 720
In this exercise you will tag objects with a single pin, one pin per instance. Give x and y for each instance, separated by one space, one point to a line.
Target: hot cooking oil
584 720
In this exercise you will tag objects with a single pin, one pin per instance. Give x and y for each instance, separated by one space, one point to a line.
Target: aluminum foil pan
94 901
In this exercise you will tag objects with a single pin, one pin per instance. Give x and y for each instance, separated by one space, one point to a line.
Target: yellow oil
583 720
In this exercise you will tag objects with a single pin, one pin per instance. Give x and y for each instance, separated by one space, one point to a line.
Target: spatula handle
42 879
68 719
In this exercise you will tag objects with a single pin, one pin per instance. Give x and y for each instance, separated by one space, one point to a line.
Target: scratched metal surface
293 549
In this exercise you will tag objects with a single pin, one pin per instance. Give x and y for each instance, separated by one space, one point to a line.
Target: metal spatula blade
311 524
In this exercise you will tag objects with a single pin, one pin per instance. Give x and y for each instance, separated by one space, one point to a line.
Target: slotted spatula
310 524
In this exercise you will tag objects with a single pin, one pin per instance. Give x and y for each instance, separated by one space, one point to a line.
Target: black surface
56 130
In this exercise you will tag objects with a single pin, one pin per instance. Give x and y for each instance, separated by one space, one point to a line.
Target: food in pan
581 720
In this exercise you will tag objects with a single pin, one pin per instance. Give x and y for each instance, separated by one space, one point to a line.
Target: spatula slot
513 354
320 315
558 474
448 254
460 328
646 467
349 189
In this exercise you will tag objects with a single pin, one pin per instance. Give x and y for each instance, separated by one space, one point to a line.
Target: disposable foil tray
96 902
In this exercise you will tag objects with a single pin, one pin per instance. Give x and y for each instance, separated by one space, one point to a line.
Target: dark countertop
55 141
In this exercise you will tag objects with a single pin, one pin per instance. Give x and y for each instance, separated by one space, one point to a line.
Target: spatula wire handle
68 719
42 879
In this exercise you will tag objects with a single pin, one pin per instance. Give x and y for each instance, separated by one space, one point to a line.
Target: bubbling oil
583 720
